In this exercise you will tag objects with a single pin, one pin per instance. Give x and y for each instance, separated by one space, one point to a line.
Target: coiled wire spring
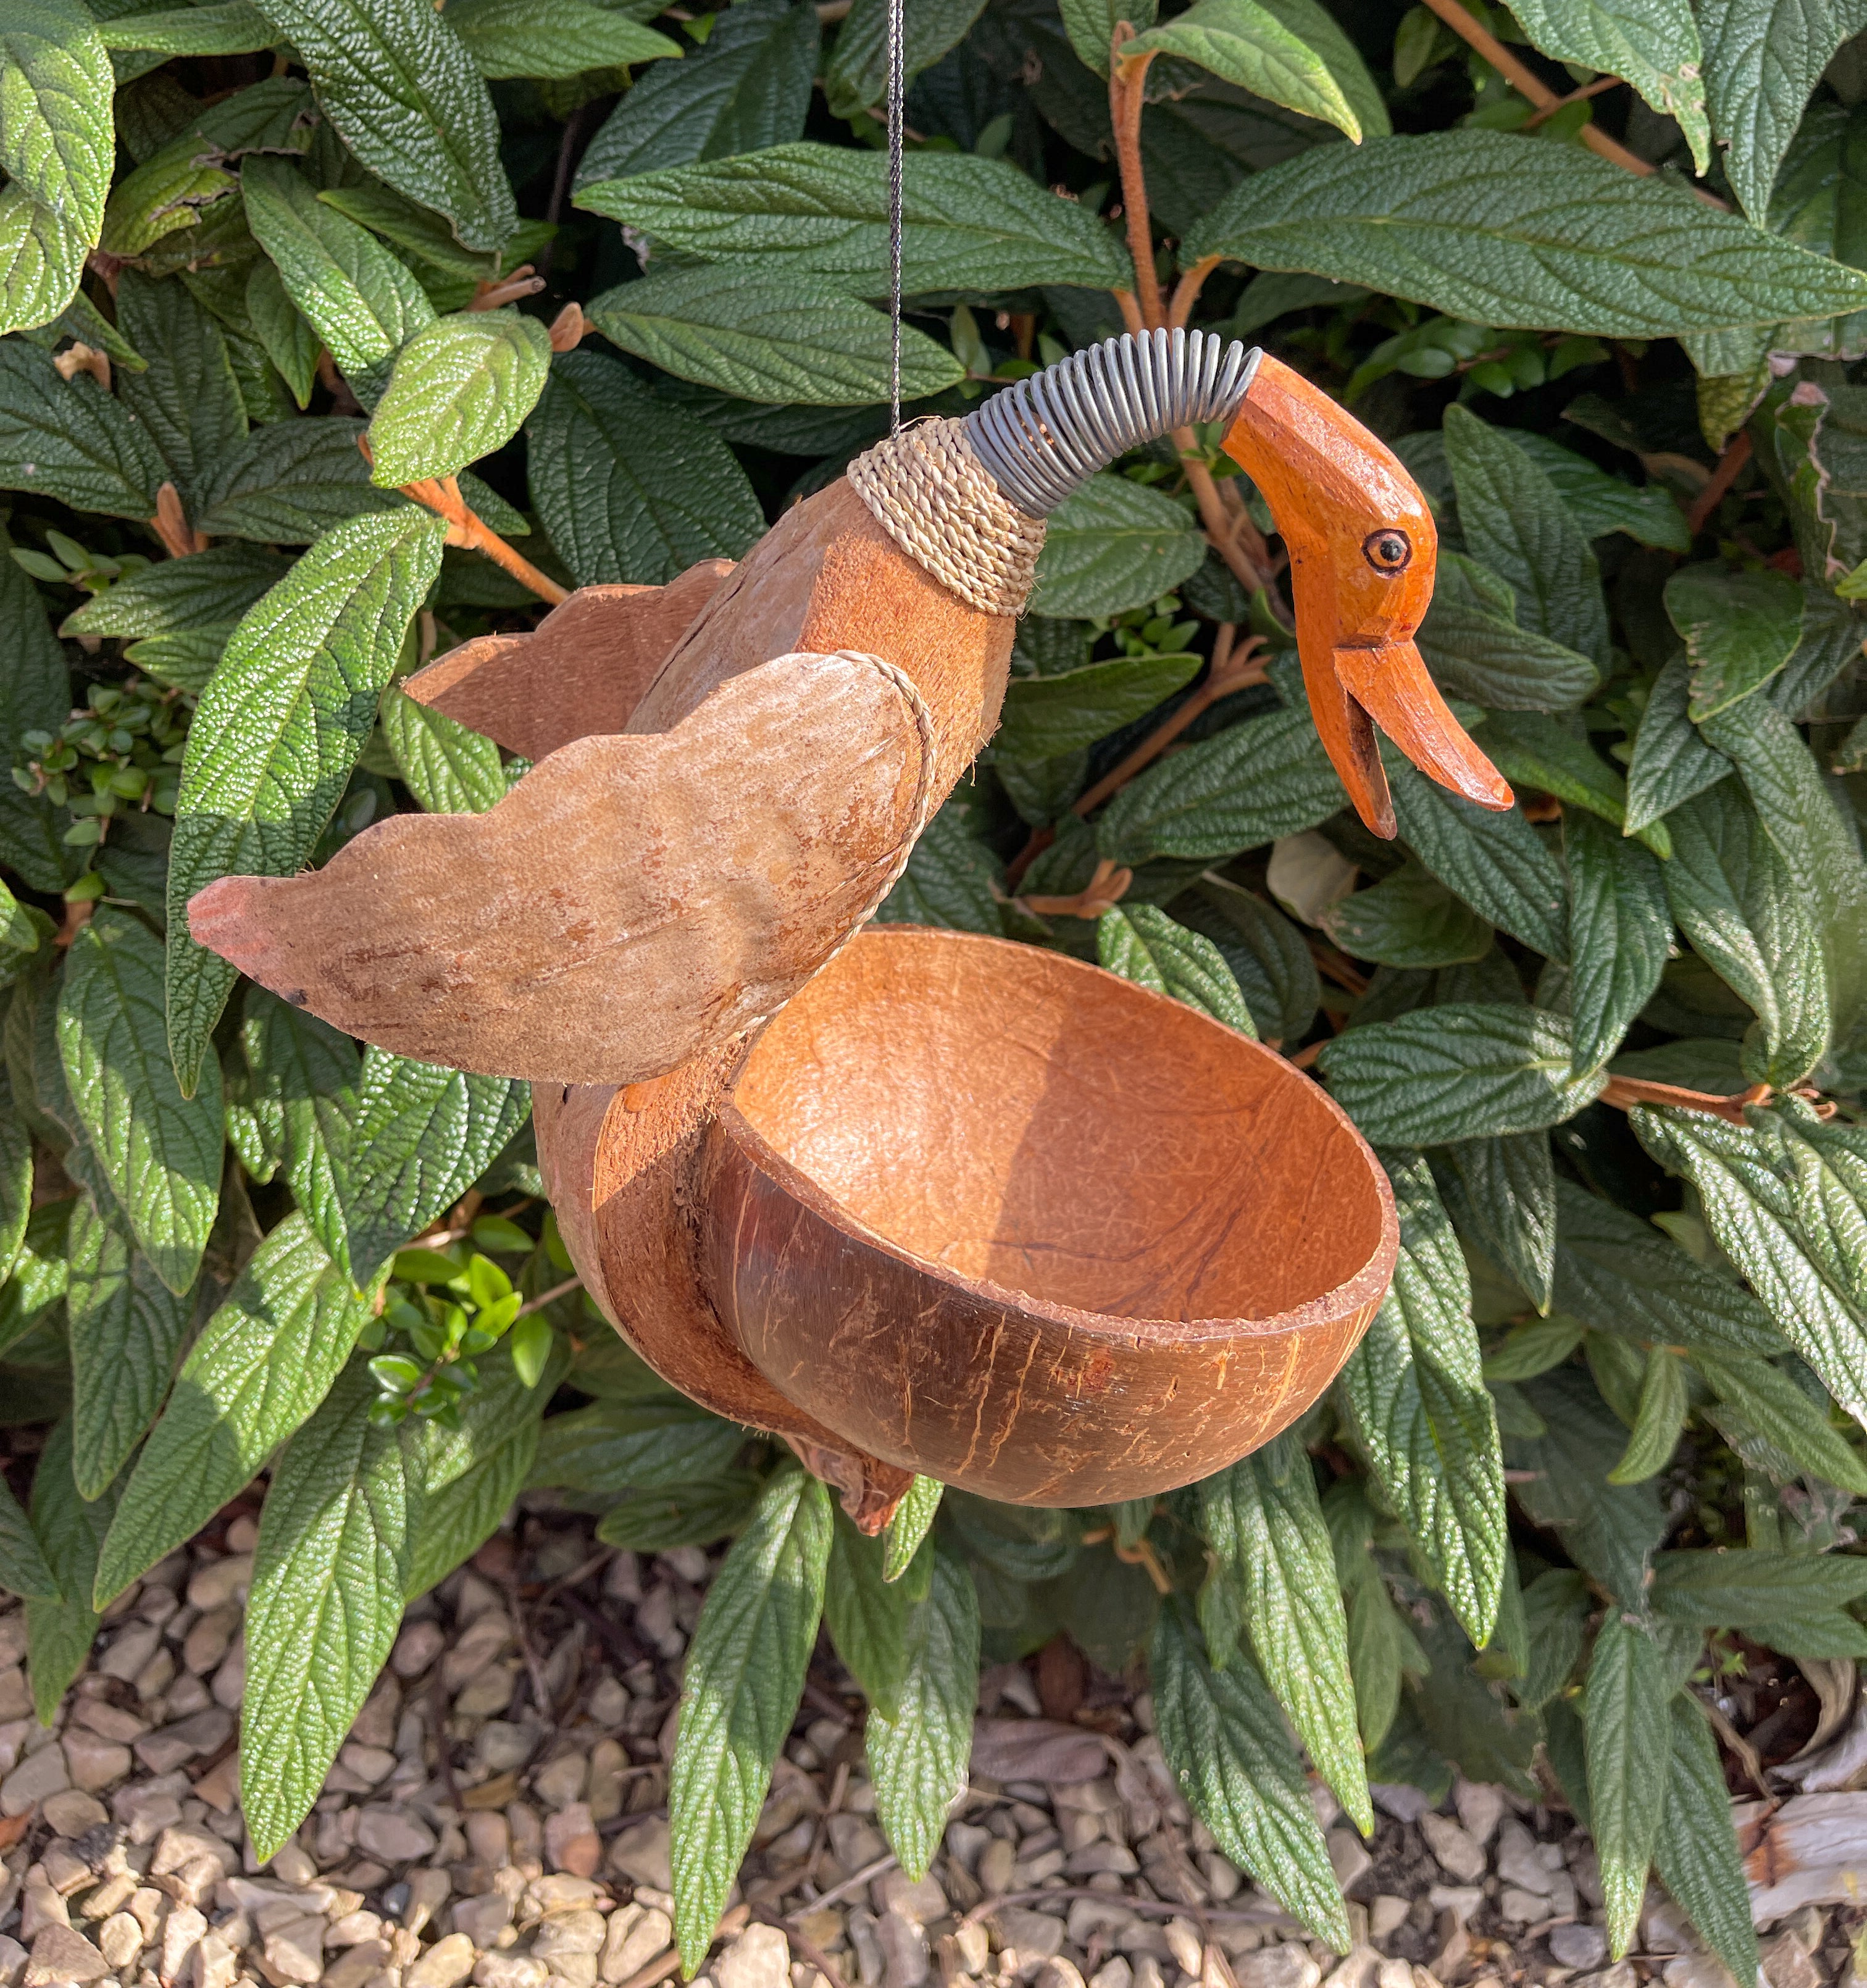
1051 433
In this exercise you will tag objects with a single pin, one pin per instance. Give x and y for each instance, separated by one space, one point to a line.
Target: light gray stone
446 1963
60 1954
1287 1966
759 1958
509 1970
1458 1851
1582 1947
566 1933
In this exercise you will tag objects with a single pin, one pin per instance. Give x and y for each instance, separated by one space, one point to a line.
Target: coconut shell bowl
914 1200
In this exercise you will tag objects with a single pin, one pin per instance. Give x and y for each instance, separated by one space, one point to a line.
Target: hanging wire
897 91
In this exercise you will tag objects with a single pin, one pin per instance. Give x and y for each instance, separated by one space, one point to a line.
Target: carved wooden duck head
731 771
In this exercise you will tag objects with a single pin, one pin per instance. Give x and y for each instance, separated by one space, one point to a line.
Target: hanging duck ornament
915 1200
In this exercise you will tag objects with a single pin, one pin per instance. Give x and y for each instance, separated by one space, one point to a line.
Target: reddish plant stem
1227 676
1127 93
1730 464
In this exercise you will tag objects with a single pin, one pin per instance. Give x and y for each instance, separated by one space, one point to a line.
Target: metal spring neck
1049 433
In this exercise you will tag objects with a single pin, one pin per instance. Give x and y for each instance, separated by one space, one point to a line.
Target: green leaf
1142 944
1515 521
1496 863
305 1078
336 1537
56 144
448 769
1659 1419
1502 1193
1247 45
952 878
1417 1401
202 590
554 39
36 1285
746 88
1671 760
1313 23
1772 1406
1463 1070
261 1364
1551 753
59 1634
1695 1850
1739 1590
42 261
1113 545
289 481
127 1328
1045 717
646 1445
1556 1606
1739 630
1261 1519
160 1150
628 486
855 76
1654 44
232 28
280 729
1617 1273
1091 25
1409 919
459 1518
360 300
967 223
458 390
1762 60
1503 230
15 1177
1601 502
1472 644
744 1676
23 1570
680 1515
398 85
1268 956
1629 1727
784 337
284 332
187 397
1250 784
867 1616
1734 898
69 439
918 1753
421 1136
1620 929
1226 1746
913 1520
1789 1222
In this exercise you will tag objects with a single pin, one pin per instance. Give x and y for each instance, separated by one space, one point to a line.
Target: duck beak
1342 501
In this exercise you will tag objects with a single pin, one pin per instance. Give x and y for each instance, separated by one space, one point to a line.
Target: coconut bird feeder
915 1200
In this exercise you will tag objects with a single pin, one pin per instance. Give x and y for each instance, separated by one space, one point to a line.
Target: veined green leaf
744 1676
1628 1725
127 1328
336 1537
1659 1417
1272 966
1247 45
967 223
1463 1070
23 1570
913 1520
1409 919
449 770
1113 545
398 84
646 1445
1226 1745
231 28
41 261
949 878
1261 1519
1500 229
1046 716
1773 1407
1696 1851
784 337
70 440
1621 928
629 486
867 1616
280 726
1091 26
58 1633
289 481
1654 44
1739 629
201 590
1417 1400
918 1753
305 1076
1502 1194
458 390
1142 944
553 39
263 1363
855 76
160 1150
187 397
1671 760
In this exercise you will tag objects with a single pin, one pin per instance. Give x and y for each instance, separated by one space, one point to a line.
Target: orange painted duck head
731 771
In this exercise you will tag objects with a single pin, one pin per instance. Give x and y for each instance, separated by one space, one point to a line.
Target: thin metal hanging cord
897 91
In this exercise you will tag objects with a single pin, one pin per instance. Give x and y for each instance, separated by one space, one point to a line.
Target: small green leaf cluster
122 751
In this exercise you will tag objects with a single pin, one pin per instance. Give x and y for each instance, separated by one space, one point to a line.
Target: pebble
634 1936
1033 1934
60 1954
994 1866
561 1781
1460 1854
1286 1965
483 1919
294 1949
446 1962
120 1939
394 1836
1386 1916
71 1812
37 1775
568 1933
1585 1947
759 1958
640 1852
1786 1963
95 1763
571 1842
1348 1857
509 1970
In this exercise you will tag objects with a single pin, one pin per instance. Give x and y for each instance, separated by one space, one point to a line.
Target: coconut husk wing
634 901
581 671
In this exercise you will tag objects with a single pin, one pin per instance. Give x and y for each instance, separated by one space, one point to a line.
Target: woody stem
1127 89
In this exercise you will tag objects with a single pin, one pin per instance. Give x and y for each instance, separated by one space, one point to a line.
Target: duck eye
1387 551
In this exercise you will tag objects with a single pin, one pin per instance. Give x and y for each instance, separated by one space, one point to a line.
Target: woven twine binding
931 494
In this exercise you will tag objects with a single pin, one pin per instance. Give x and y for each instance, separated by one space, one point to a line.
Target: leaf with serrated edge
305 1076
1142 944
459 390
449 770
1625 1709
1409 919
69 439
459 1520
23 1570
744 1677
1261 1519
401 89
1739 629
855 78
1671 760
1225 1744
867 1616
187 396
56 143
1504 230
1417 1396
1654 44
1696 1851
1502 1194
1112 545
553 39
262 1364
280 729
127 1328
1045 717
42 261
70 1529
918 1753
913 1520
1775 1407
1620 929
1246 44
336 1536
160 1150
